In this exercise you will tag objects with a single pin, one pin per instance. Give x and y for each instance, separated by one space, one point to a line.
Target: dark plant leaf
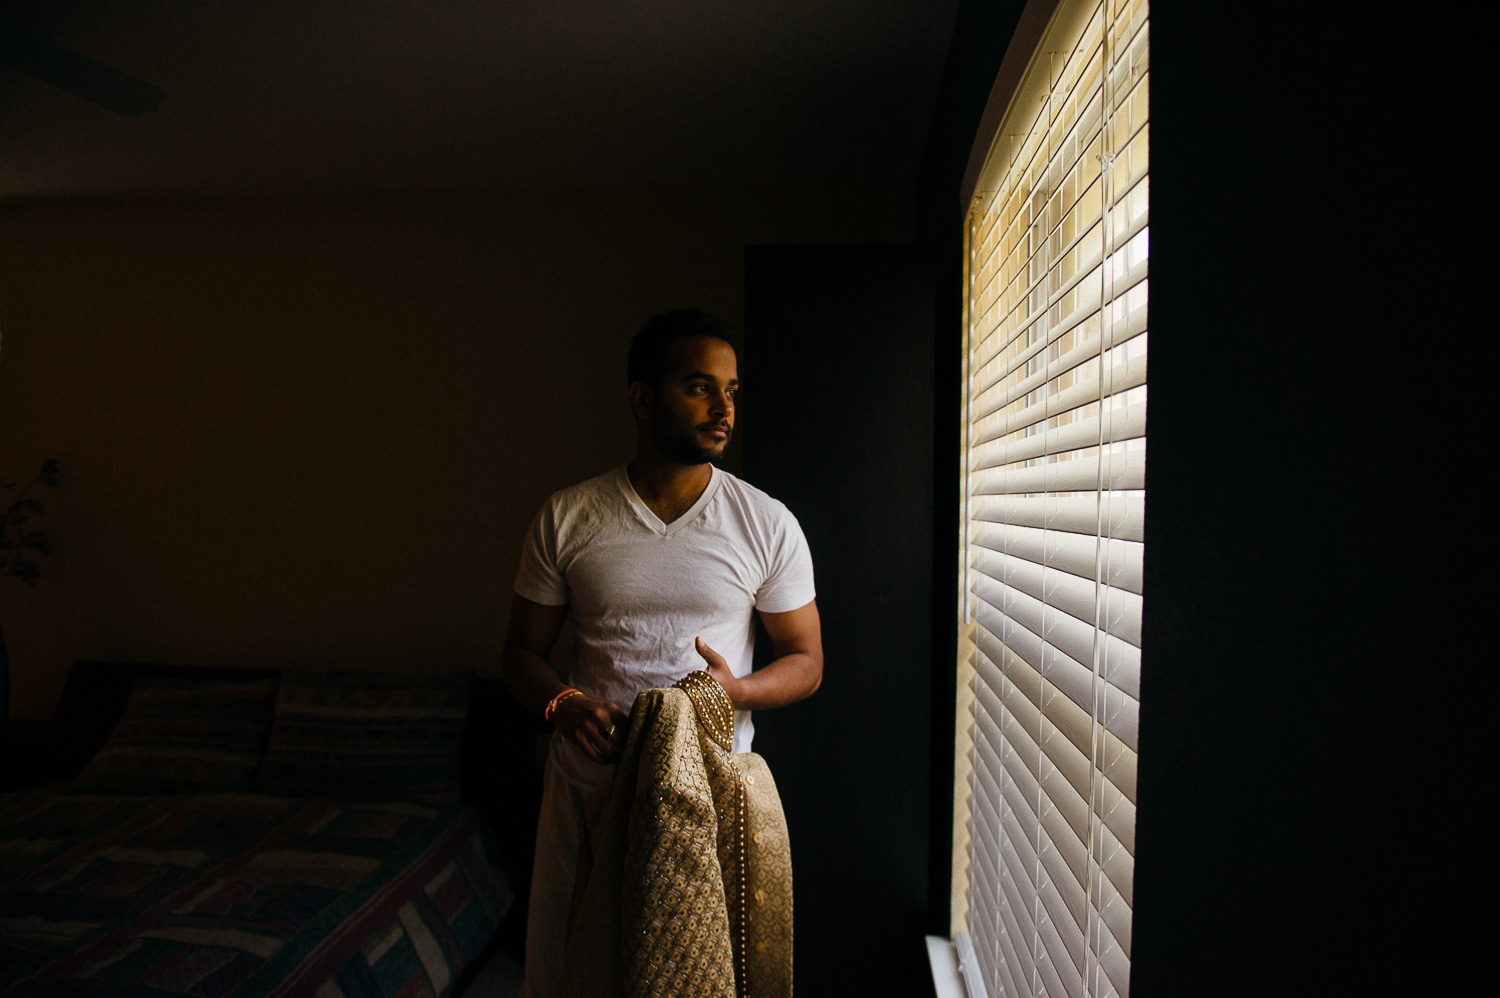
22 509
23 568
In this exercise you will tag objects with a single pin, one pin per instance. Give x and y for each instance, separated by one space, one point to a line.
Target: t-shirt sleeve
789 584
539 578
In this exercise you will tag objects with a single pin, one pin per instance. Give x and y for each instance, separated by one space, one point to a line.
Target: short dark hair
651 344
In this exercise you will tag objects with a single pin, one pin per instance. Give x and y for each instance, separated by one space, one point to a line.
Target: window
1052 544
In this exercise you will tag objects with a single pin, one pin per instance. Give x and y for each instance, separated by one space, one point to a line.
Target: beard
683 446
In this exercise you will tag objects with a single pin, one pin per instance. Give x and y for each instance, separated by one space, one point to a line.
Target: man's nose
723 403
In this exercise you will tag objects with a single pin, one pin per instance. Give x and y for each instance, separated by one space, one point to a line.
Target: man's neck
668 489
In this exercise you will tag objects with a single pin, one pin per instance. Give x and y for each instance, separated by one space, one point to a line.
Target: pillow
364 736
183 735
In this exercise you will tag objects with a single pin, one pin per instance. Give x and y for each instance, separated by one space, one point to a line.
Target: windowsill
944 961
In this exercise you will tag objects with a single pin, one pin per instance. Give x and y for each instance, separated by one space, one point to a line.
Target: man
665 565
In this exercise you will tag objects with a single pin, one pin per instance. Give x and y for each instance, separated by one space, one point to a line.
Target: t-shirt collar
653 521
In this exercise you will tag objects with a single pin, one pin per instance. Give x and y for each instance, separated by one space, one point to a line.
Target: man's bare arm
795 673
595 726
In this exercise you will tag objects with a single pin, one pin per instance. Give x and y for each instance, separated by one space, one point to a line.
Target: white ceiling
289 95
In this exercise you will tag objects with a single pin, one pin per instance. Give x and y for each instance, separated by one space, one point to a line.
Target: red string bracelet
552 707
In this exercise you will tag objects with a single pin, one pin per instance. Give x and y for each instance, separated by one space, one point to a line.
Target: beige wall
312 430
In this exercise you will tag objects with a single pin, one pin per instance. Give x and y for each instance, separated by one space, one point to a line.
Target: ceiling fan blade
80 76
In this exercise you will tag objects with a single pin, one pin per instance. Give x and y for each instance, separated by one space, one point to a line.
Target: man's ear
642 400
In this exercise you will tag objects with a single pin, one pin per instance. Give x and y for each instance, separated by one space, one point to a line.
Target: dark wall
1260 864
312 429
837 419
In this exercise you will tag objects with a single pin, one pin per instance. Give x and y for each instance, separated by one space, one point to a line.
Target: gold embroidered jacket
685 883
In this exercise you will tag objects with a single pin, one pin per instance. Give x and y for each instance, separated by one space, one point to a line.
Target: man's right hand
597 727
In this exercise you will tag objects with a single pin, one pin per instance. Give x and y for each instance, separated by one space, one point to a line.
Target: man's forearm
783 681
530 678
793 676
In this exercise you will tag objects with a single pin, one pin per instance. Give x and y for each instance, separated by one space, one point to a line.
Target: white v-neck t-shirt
641 590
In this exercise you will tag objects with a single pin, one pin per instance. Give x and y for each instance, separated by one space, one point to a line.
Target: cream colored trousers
568 782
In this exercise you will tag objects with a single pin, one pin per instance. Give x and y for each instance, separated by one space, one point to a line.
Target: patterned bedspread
237 894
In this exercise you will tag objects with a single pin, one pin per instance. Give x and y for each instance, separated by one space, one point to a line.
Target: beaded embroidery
712 705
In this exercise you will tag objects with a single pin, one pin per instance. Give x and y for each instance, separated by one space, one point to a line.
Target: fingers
597 727
715 665
620 727
719 671
710 656
597 744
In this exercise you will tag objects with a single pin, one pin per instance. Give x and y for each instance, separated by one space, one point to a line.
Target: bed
253 833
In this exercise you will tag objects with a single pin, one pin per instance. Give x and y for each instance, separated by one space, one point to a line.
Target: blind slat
1115 913
1044 967
1116 862
1071 303
1082 474
1065 818
1122 562
1126 324
1118 764
1050 668
1087 431
1118 815
1010 963
1116 611
1064 942
1123 517
1120 376
1114 960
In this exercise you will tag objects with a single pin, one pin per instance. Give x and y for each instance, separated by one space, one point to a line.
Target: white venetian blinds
1055 448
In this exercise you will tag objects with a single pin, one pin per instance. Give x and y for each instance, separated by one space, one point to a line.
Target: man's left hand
719 670
795 673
